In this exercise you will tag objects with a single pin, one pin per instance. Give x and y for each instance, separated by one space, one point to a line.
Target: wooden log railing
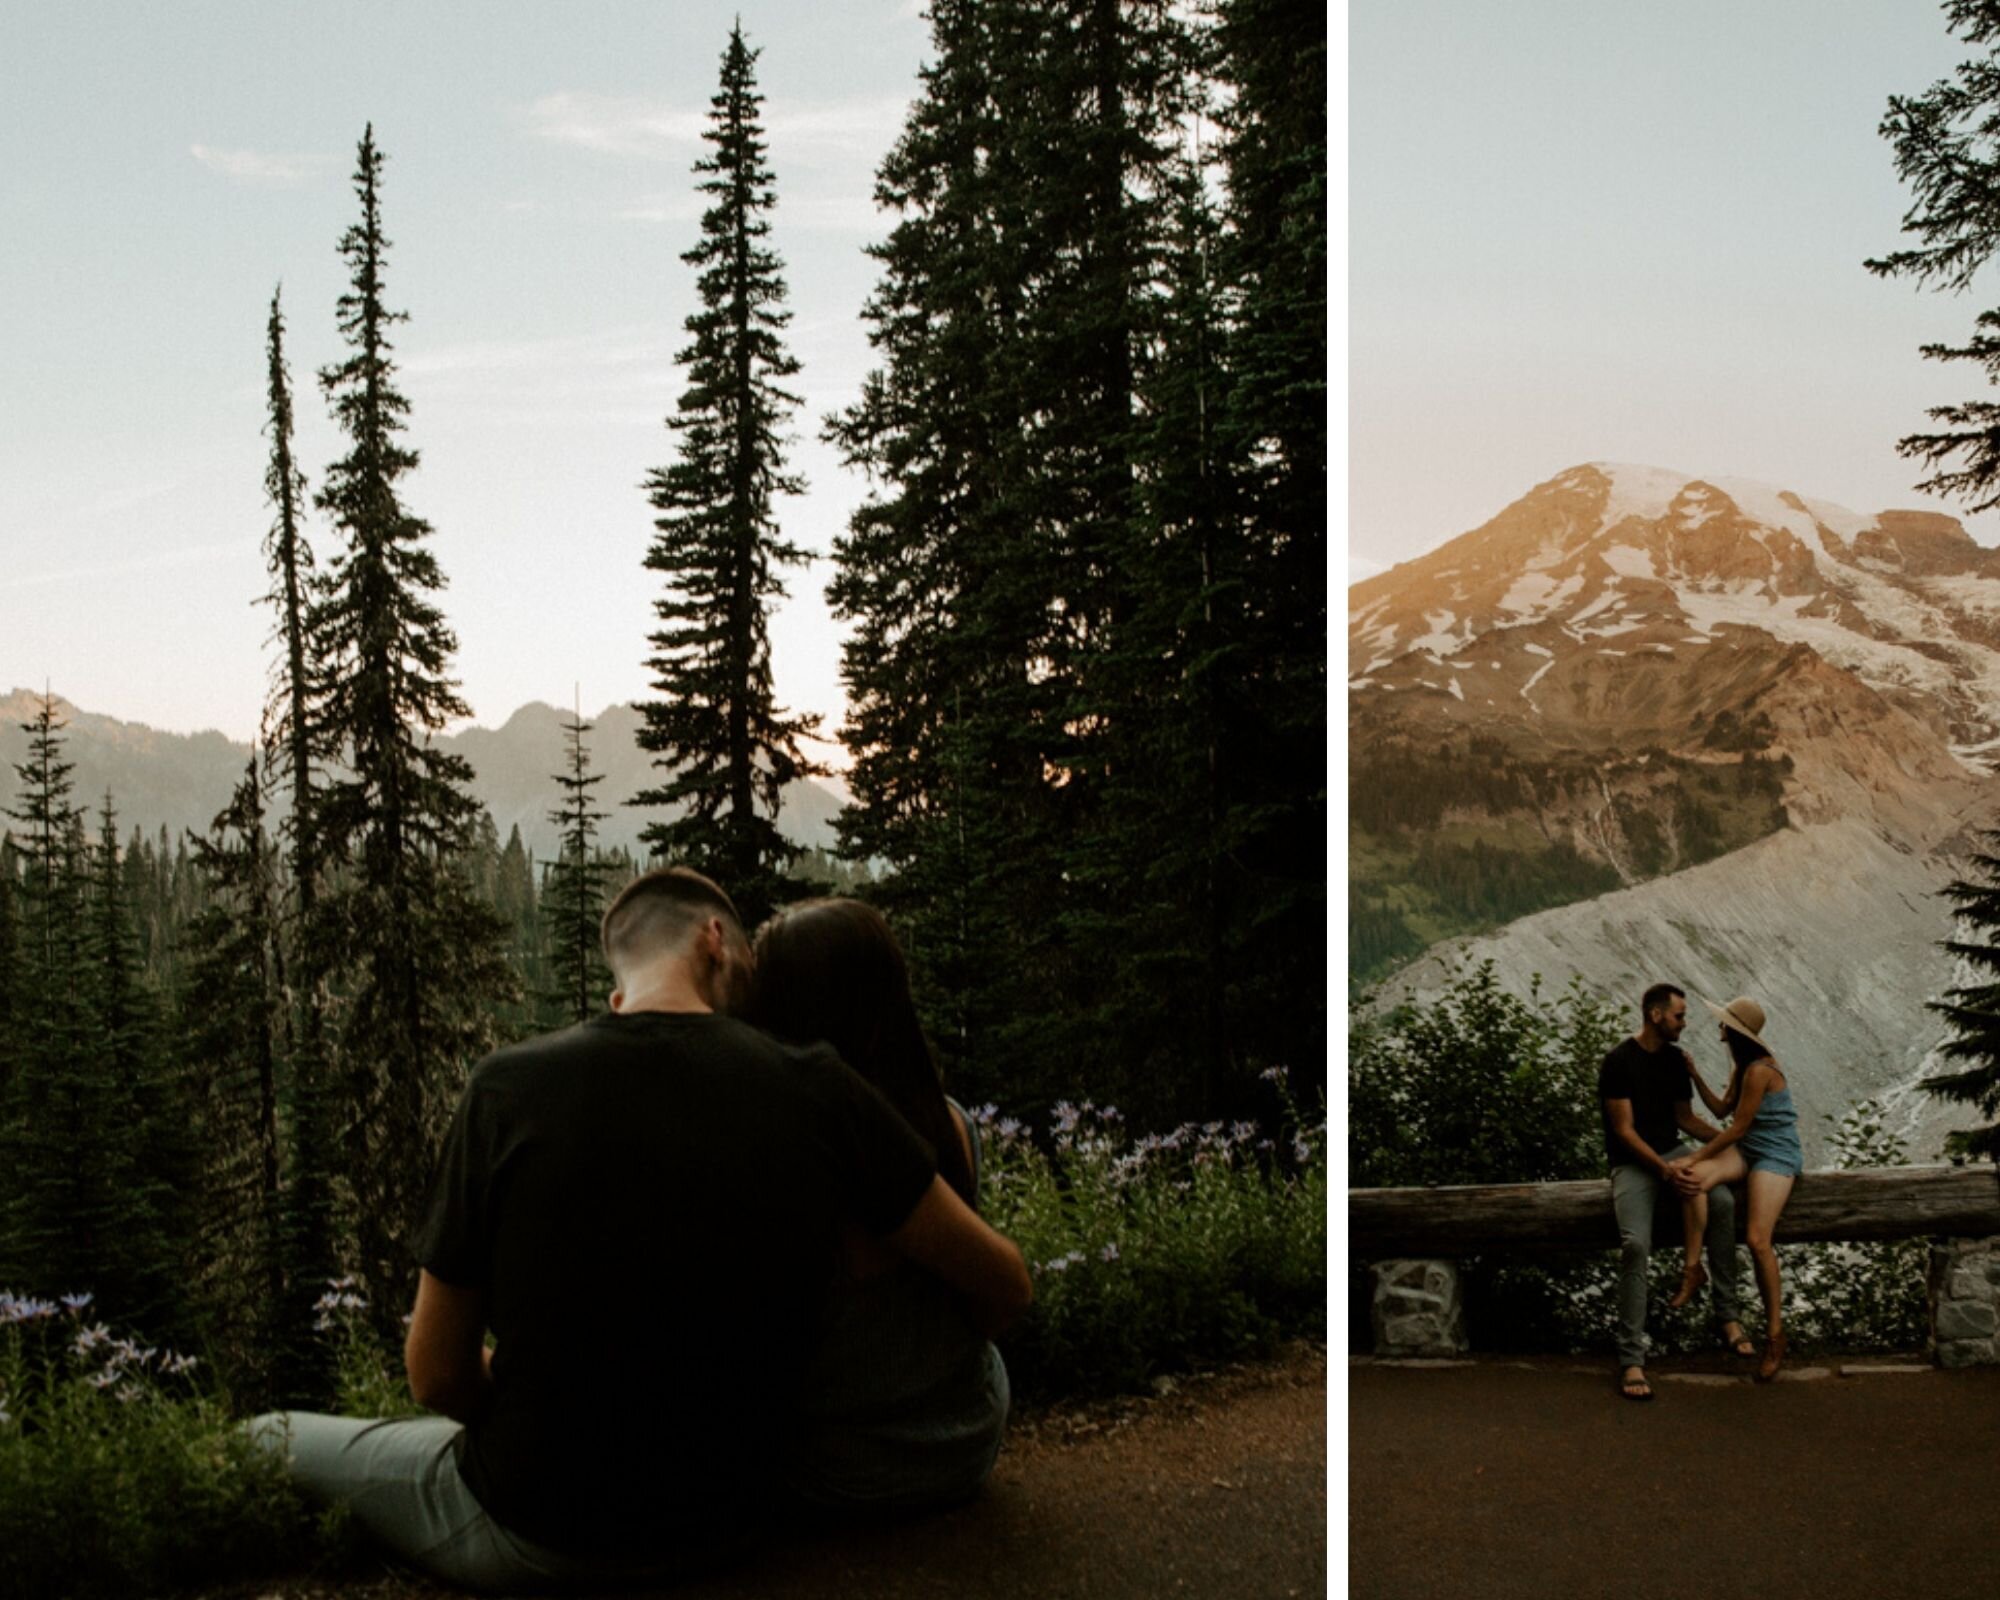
1467 1219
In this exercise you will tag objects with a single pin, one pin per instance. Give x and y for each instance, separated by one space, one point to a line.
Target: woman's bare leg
1726 1167
1694 1224
1768 1192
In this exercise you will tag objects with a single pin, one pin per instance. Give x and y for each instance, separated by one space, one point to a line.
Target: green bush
118 1475
1152 1254
1477 1086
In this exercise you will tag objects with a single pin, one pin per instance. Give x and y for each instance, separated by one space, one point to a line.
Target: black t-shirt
653 1203
1655 1081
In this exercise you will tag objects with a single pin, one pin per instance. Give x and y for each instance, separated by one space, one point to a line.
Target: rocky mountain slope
182 780
1704 729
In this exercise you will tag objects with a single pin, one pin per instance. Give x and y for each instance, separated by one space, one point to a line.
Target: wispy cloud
262 167
652 130
165 561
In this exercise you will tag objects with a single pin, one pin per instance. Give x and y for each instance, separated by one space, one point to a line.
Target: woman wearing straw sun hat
1760 1146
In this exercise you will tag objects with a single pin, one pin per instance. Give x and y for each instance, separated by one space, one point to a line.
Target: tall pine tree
993 576
60 1204
420 954
1973 1008
1943 139
725 747
573 892
234 1027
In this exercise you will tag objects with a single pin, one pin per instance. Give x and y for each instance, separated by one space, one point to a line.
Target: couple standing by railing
1647 1087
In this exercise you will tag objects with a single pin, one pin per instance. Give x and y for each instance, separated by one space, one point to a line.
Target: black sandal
1743 1347
1635 1388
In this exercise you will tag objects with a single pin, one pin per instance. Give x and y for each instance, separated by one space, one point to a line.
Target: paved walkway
1499 1480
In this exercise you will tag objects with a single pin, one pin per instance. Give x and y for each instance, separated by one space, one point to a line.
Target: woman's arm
1717 1106
1749 1096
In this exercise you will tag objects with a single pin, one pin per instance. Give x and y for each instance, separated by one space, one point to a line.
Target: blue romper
1772 1144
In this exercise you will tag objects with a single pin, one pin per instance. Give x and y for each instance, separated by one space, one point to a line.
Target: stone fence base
1419 1306
1419 1309
1965 1302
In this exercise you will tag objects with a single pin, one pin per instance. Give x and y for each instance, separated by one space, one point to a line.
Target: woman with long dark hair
905 1403
1760 1148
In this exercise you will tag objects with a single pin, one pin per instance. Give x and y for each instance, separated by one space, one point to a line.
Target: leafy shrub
118 1475
1154 1253
1478 1086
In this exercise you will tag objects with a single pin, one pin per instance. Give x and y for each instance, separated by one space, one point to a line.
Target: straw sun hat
1742 1014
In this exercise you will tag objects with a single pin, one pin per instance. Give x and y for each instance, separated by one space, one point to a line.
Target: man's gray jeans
1635 1193
401 1479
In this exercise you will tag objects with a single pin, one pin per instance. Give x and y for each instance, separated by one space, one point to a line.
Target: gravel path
1217 1488
1504 1480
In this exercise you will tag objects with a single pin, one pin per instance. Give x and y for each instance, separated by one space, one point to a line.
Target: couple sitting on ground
726 1243
1647 1087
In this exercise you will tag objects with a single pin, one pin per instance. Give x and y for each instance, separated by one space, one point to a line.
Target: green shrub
1155 1253
1477 1086
118 1475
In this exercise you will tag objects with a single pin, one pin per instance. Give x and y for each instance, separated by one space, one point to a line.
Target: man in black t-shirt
644 1212
1646 1092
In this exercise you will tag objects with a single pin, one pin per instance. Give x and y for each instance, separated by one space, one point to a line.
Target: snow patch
1455 689
1629 561
1441 640
1643 492
1540 673
1529 592
1761 503
1839 519
1606 601
1612 630
1611 652
1539 650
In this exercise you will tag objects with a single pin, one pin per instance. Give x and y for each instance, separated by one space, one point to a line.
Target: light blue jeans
1635 1193
401 1479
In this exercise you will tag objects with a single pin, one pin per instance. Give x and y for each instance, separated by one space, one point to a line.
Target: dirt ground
1503 1479
1217 1488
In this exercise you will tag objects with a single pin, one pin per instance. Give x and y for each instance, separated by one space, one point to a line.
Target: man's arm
1688 1122
1619 1113
445 1354
947 1237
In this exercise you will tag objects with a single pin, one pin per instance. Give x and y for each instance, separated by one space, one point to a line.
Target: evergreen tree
58 1197
1272 876
992 579
1973 1008
139 1129
305 947
726 748
11 996
572 904
1943 139
233 1027
420 955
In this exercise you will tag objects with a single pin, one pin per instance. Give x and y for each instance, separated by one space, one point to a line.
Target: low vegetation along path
1530 1479
1217 1487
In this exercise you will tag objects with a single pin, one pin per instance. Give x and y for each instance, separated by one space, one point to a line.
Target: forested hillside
1085 672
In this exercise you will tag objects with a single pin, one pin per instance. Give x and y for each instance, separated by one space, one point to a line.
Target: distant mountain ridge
181 781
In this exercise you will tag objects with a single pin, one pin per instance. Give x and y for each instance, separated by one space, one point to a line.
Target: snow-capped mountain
1621 606
1744 733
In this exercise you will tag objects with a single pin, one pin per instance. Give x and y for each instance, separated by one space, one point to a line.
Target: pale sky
168 165
1582 231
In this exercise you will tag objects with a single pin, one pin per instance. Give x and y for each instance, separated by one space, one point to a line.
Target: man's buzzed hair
1656 998
654 914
